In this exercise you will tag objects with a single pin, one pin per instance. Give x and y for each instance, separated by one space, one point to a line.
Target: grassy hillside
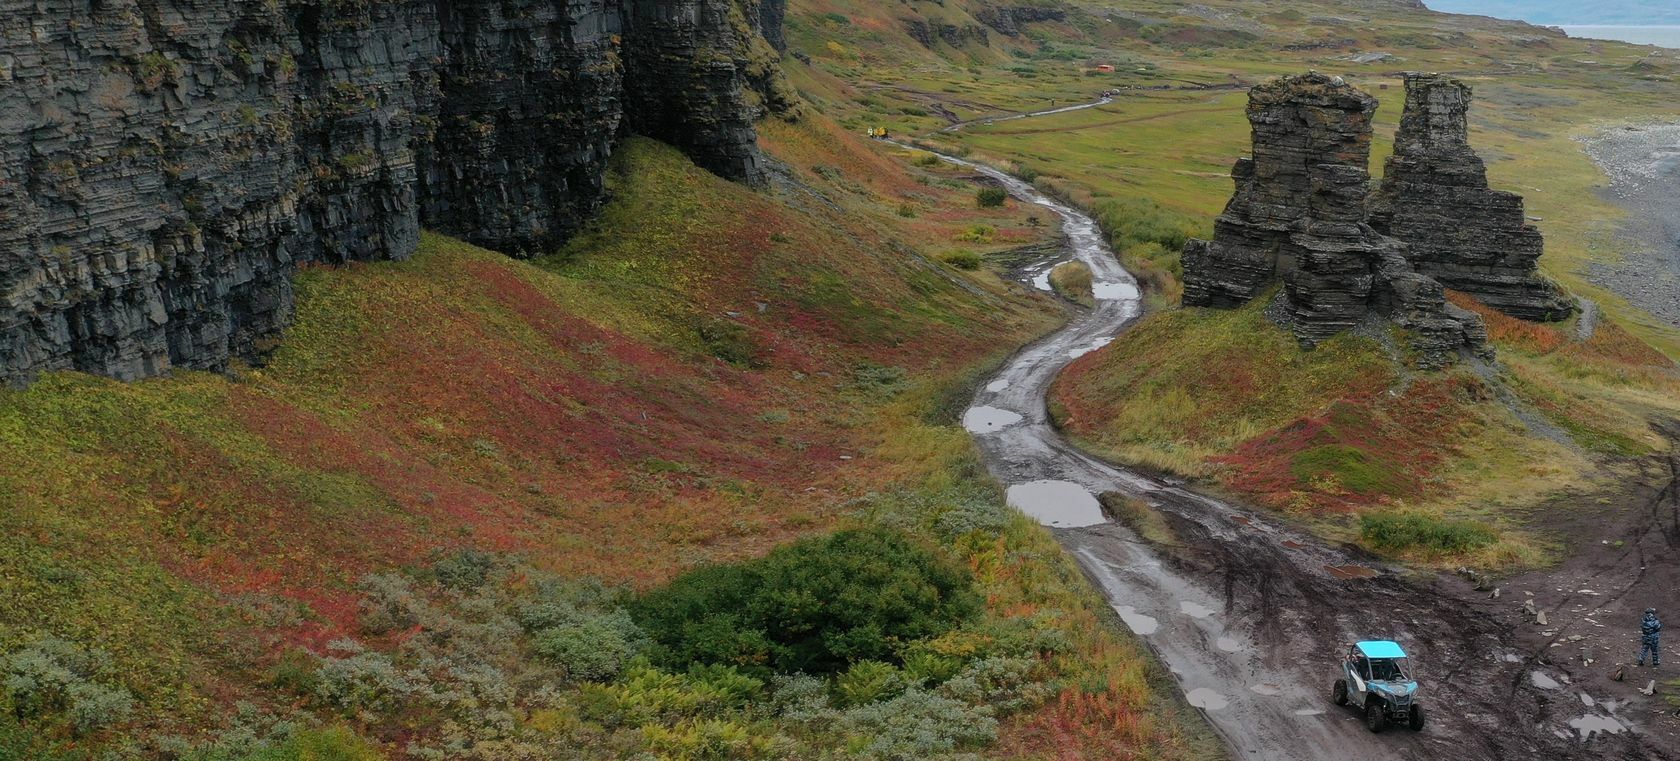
1347 435
415 531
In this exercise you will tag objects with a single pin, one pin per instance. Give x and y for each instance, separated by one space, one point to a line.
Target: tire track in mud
1251 615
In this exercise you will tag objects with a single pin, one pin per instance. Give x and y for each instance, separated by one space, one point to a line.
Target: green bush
867 682
991 198
53 677
467 569
592 647
962 259
815 606
1397 531
928 160
917 725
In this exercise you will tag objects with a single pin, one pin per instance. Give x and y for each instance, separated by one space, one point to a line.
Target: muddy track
1250 614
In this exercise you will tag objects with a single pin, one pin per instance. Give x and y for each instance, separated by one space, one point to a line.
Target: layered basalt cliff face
1435 197
165 165
1299 215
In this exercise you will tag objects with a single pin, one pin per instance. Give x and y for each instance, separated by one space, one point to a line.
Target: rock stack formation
165 165
1435 197
1299 215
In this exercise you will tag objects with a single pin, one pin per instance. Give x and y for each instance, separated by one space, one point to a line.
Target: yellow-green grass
1073 281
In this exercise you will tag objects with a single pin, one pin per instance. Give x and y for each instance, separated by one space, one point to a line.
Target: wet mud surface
1251 616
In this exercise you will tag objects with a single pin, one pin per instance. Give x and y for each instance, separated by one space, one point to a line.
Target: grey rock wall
1299 215
166 165
1435 197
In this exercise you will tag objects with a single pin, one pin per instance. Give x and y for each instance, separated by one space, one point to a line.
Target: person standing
1650 630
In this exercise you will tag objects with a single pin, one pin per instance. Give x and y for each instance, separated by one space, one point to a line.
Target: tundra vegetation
1351 429
452 514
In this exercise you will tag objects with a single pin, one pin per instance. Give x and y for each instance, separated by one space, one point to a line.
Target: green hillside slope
415 532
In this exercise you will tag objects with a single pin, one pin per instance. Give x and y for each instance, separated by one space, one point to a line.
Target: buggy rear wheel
1338 693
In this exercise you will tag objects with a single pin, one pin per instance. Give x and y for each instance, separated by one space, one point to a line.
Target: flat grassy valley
695 484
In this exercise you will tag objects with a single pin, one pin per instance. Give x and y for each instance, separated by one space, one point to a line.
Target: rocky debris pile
165 167
1435 197
1299 215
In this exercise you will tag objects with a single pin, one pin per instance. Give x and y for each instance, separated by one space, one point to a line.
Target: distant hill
1610 12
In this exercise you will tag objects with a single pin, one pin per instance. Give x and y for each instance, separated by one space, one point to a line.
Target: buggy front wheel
1375 720
1416 719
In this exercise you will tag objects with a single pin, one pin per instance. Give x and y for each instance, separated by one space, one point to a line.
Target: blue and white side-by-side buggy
1377 679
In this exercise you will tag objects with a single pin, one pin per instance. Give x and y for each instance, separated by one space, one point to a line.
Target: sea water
1666 36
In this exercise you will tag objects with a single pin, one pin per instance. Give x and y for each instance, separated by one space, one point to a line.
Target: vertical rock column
1435 197
1299 214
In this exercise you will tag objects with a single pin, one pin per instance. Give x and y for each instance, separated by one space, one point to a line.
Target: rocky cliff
1299 215
166 165
1435 197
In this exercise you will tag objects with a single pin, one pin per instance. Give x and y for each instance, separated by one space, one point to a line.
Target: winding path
1250 615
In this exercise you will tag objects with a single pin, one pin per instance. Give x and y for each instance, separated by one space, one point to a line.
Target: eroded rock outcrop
165 165
1009 19
1299 216
1435 197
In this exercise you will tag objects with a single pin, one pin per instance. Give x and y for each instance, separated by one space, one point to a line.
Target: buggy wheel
1374 718
1416 720
1338 693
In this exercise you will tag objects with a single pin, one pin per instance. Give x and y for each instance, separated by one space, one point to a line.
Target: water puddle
1230 645
997 385
1041 281
1194 610
1084 350
1058 504
989 419
1139 623
1541 680
1114 291
1268 689
1202 697
1587 700
1345 572
1590 725
1309 712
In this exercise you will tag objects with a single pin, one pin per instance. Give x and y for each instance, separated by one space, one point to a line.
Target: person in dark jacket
1649 631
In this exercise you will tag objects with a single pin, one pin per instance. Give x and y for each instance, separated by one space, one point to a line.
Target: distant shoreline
1661 35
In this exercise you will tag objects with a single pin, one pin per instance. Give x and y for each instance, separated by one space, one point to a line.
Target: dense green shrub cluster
990 197
815 606
53 679
1400 531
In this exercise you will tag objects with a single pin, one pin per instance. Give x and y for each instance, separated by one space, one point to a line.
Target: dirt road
1251 615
